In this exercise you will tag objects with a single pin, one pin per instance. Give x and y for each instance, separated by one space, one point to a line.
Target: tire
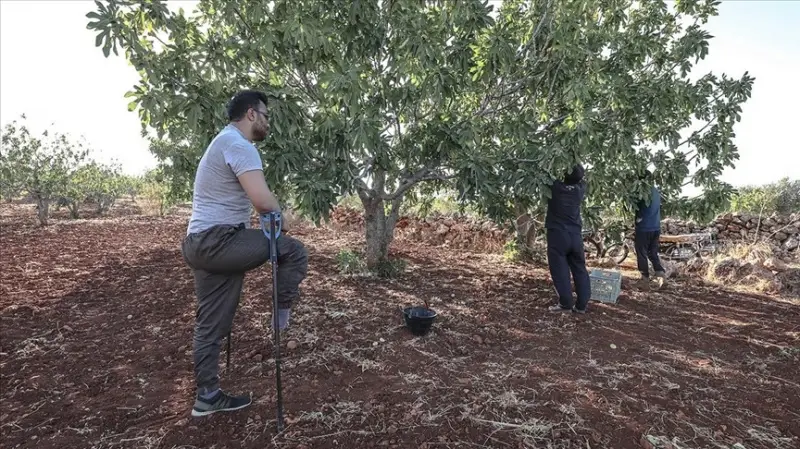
591 248
618 252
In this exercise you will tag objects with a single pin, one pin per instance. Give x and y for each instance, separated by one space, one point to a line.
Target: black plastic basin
419 319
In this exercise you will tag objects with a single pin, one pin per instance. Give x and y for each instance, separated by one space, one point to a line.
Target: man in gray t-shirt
220 248
218 195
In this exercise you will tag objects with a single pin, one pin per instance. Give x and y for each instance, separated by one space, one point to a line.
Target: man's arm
255 186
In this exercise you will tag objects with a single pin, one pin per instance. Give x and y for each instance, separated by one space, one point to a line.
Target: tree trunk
104 204
73 209
380 228
522 222
42 210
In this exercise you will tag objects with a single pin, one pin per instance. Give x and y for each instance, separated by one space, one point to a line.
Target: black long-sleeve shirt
564 207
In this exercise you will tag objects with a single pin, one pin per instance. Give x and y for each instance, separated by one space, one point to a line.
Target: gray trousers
220 256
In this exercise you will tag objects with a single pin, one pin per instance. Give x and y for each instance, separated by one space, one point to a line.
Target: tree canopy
381 98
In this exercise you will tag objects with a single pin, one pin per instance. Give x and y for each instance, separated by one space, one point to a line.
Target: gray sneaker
220 402
661 278
558 308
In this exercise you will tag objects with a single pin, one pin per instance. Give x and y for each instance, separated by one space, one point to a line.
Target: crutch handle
266 220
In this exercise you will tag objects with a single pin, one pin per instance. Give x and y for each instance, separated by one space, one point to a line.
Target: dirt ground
97 320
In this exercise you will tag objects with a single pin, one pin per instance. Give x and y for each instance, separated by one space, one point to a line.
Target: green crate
606 285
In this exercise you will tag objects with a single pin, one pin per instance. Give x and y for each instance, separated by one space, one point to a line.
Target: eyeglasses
266 116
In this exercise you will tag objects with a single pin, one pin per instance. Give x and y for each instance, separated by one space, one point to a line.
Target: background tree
40 167
178 155
782 197
376 97
131 185
156 194
94 183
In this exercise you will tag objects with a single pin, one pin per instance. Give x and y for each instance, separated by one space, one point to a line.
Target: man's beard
259 134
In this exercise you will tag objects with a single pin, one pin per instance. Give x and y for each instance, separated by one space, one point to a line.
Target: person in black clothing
647 234
565 243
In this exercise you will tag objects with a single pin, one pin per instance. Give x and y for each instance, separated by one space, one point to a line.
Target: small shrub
390 268
353 263
513 251
350 262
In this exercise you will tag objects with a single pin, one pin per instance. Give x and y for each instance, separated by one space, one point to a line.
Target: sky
51 71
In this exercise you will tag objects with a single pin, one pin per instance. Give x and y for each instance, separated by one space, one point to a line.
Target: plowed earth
97 320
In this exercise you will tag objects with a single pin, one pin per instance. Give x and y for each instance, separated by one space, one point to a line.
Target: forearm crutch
271 226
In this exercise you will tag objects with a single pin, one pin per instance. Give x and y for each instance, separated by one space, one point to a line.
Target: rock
442 229
670 268
780 236
791 243
695 265
292 344
790 281
766 284
774 264
607 262
791 230
725 268
258 357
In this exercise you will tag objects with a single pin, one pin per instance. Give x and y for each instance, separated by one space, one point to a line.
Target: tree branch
423 174
536 32
264 64
379 182
695 133
360 184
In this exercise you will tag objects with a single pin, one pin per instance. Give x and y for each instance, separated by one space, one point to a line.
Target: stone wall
455 232
781 232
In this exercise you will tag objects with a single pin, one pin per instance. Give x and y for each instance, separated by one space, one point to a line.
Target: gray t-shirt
218 196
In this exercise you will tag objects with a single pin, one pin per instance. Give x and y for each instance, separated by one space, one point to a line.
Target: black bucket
419 319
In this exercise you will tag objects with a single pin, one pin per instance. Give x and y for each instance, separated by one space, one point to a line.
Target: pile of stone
450 231
780 232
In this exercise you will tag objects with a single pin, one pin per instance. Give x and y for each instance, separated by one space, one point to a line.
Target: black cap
575 176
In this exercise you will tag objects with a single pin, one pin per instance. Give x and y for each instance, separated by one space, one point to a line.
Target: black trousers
646 246
564 256
220 257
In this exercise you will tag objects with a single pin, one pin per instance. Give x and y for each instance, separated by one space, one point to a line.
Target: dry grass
742 268
756 252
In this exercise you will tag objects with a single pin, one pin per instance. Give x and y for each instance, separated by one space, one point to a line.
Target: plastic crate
606 285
